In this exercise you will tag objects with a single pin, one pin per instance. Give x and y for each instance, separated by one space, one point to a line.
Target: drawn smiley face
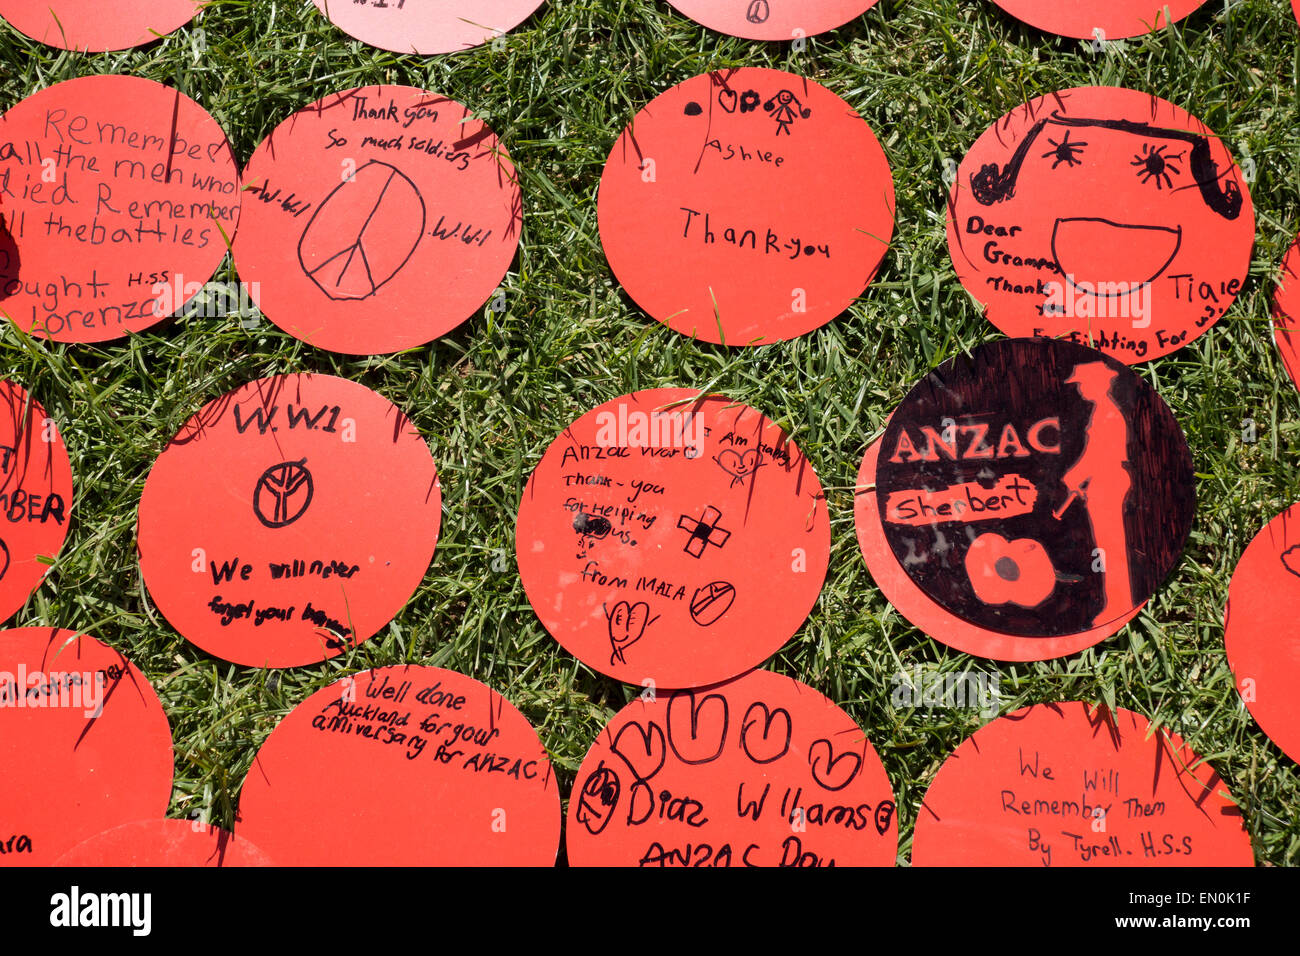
739 464
778 20
1104 215
598 798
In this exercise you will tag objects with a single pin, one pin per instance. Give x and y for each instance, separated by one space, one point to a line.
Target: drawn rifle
1069 500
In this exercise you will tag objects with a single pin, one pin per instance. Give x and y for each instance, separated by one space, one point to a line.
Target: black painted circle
1095 470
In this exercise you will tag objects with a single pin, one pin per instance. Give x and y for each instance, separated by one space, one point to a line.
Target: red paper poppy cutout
746 206
1068 785
1286 313
165 843
931 618
403 766
772 19
1073 463
289 520
1099 19
84 744
758 771
675 540
1102 215
35 496
111 229
94 26
377 219
1261 634
427 28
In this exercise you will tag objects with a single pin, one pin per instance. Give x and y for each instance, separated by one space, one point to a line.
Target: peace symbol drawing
288 489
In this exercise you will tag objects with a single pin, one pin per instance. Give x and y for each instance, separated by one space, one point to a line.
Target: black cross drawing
704 531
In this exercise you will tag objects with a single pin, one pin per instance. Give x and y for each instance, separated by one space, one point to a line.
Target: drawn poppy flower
1010 572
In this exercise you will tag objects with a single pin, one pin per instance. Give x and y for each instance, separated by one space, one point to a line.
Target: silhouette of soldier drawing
1100 479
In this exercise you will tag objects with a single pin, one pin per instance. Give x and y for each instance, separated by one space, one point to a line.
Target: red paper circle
761 770
99 755
342 782
649 565
748 206
126 230
1036 487
1261 634
772 19
1286 312
1022 791
1115 19
1133 236
165 843
304 493
35 496
94 26
377 219
928 616
427 28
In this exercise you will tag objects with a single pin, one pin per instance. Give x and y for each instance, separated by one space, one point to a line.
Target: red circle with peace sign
289 520
377 219
773 19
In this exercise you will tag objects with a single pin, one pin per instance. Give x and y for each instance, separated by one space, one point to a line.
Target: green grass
929 76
